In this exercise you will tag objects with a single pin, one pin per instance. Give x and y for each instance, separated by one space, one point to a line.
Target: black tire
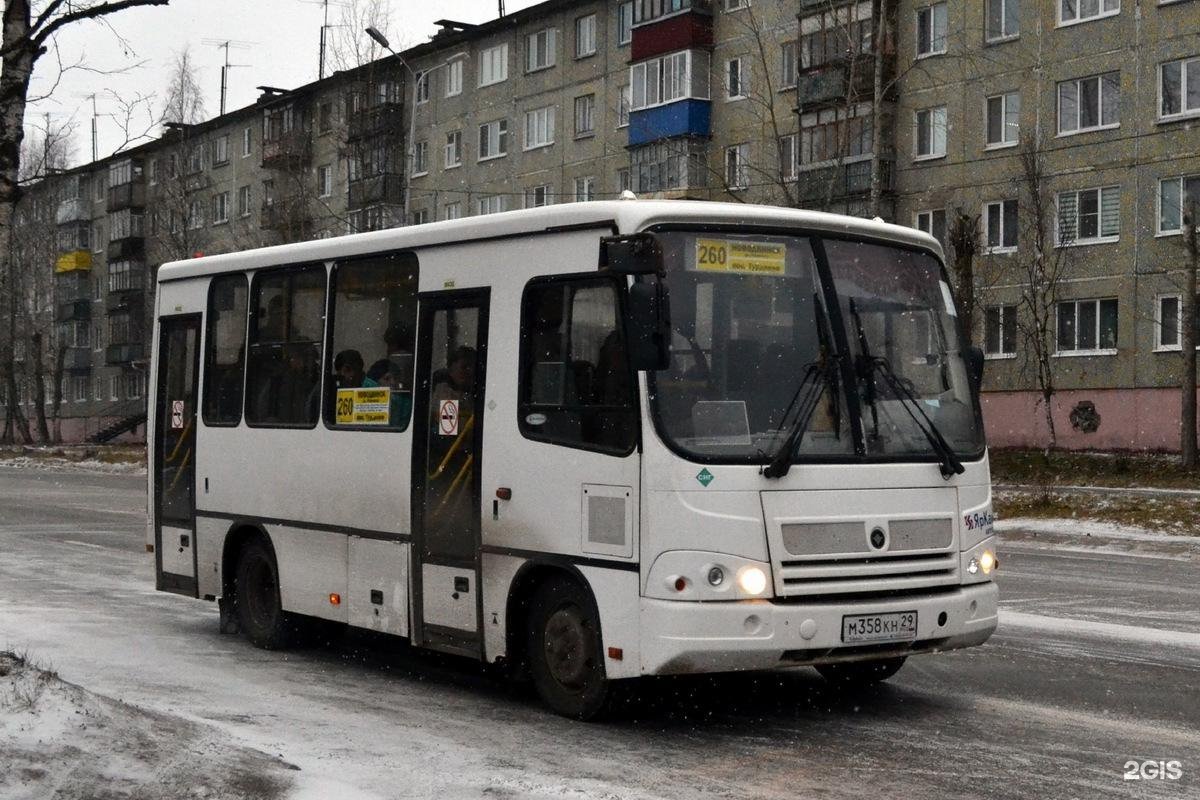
564 650
260 613
861 673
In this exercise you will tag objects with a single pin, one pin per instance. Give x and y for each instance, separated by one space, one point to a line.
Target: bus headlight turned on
980 562
752 580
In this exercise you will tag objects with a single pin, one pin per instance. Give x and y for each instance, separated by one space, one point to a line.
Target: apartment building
770 101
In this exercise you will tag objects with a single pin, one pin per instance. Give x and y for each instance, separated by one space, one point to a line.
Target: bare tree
1187 338
964 244
1043 265
350 47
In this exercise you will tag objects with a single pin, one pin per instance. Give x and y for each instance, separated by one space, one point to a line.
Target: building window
452 210
493 139
787 61
1090 103
454 78
1000 226
243 201
932 222
585 189
493 65
195 160
1087 326
1000 331
421 89
737 166
585 36
489 204
283 375
1179 88
1004 120
453 153
419 217
537 196
195 218
1003 19
673 77
247 141
220 150
539 127
81 389
828 135
571 329
787 157
539 50
1175 196
585 108
624 23
931 30
623 103
325 117
225 350
420 158
624 180
1089 216
736 85
931 132
834 43
1070 11
325 180
220 208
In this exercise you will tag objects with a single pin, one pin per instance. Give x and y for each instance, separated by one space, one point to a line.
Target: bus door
448 427
175 454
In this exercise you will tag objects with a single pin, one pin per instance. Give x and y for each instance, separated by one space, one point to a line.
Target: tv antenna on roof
325 26
226 45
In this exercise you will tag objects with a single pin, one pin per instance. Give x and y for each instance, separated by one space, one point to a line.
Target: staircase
129 414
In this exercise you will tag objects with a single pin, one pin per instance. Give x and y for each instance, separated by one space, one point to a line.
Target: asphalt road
1096 664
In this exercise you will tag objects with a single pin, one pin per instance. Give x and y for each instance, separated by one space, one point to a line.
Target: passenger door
175 454
448 426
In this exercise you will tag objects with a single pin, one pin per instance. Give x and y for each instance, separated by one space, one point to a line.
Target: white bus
594 441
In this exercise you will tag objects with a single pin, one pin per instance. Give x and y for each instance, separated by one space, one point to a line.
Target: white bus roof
629 216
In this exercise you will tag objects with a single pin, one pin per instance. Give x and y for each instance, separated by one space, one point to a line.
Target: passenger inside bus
348 369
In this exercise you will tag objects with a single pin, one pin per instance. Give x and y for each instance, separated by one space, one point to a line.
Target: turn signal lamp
752 580
335 599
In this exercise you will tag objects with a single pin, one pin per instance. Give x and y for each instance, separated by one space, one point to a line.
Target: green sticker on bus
705 477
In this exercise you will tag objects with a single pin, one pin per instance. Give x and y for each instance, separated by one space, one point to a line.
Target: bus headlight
752 580
980 562
716 576
987 562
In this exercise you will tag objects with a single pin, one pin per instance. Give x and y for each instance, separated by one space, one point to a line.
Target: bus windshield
752 342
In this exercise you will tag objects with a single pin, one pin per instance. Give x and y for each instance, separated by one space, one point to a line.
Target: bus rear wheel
861 673
259 610
564 650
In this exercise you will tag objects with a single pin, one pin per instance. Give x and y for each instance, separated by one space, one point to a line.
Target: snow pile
58 740
87 465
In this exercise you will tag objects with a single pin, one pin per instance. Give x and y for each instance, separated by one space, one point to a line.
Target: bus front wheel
860 673
259 611
564 650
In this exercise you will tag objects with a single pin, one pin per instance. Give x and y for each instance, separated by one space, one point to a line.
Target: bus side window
225 350
283 377
576 388
369 368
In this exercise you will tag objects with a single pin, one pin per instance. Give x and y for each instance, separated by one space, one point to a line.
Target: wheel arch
239 533
528 579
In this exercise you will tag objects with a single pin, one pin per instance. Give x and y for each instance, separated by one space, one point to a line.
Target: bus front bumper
694 637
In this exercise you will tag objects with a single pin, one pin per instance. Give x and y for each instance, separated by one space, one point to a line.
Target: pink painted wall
1130 419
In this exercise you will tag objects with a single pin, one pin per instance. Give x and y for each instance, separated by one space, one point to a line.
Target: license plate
898 626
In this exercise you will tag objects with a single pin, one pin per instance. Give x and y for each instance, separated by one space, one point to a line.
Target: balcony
127 248
681 118
840 181
127 195
124 353
77 358
74 261
290 217
379 120
289 150
688 30
73 209
846 80
69 310
387 188
125 301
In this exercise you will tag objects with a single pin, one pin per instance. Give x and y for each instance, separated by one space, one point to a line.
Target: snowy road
1096 663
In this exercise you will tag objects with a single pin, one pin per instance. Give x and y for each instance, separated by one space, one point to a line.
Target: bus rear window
371 346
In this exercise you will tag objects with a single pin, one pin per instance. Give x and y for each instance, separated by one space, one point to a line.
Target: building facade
1049 144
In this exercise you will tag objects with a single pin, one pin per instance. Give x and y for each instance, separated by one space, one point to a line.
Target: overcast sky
284 53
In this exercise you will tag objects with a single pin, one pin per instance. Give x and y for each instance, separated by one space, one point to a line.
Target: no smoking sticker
448 418
176 415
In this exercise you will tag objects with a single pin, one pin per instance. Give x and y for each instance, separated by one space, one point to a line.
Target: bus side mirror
648 326
974 358
634 254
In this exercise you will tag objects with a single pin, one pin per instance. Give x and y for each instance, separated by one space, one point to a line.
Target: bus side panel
312 568
617 600
210 544
378 585
498 574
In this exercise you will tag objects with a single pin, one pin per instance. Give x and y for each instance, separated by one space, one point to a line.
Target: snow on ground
86 465
62 741
1084 528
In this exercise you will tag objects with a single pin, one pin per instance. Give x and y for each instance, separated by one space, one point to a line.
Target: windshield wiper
819 375
869 365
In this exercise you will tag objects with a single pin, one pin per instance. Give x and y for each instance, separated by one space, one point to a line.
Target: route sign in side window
225 350
369 374
283 375
576 384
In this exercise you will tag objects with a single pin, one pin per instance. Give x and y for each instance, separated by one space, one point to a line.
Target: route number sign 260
712 254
